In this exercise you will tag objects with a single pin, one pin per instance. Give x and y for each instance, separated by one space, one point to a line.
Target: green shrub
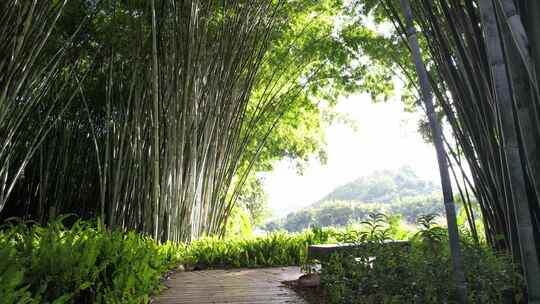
12 289
274 249
419 274
80 264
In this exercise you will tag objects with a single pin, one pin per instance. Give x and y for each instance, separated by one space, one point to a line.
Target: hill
399 192
381 187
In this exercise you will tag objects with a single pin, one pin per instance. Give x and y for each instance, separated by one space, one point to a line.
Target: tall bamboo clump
30 96
172 109
484 63
177 130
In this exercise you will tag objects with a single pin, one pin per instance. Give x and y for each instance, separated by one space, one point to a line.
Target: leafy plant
84 263
416 274
80 264
431 234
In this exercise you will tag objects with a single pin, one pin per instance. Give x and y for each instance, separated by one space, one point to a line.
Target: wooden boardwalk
239 286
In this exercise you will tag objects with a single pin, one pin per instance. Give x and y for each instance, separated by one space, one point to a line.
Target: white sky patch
386 138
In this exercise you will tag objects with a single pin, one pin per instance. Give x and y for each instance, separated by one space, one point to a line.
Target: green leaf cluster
276 249
418 274
80 264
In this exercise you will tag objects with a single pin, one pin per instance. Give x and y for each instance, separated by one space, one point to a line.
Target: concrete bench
322 252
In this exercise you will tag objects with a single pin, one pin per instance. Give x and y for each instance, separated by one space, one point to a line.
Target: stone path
238 286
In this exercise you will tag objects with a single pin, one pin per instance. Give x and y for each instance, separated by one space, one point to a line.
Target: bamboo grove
483 59
147 114
152 114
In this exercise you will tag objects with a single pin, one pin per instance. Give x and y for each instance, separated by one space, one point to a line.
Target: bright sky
386 138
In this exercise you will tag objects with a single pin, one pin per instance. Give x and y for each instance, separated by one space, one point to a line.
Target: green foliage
81 264
12 289
316 56
303 73
341 214
87 264
276 249
239 223
418 274
254 200
305 67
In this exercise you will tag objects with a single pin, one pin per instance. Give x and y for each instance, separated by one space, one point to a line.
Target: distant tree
334 214
299 220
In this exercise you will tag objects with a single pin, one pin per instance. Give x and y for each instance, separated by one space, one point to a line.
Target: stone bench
322 252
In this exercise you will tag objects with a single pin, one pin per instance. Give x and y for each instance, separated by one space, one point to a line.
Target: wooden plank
241 286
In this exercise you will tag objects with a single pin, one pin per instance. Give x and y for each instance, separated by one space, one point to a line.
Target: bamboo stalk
459 273
155 116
